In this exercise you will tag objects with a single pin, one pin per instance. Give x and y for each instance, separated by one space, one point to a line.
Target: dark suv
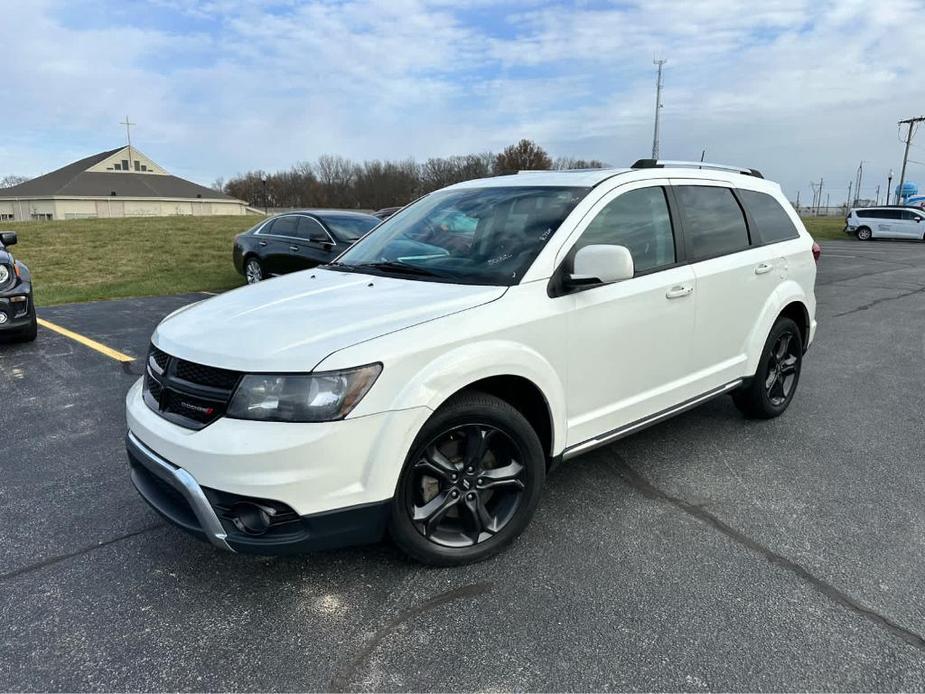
17 310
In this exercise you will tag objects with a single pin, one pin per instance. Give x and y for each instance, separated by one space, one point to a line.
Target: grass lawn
89 259
823 228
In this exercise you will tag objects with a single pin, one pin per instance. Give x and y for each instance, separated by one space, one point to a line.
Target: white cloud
801 89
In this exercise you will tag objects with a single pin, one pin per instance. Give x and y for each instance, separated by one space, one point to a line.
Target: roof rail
662 163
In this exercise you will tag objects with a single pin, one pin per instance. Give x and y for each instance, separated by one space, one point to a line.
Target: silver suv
886 223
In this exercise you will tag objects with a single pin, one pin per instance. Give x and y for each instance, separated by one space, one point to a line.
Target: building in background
122 182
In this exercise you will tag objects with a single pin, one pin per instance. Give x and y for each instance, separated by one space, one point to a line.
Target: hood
293 322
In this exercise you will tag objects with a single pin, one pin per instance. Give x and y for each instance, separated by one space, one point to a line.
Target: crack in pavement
83 550
342 679
875 302
636 481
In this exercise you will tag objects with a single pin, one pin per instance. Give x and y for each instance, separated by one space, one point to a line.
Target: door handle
678 291
263 243
763 268
293 248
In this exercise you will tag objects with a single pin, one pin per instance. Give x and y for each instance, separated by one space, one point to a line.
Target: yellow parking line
87 342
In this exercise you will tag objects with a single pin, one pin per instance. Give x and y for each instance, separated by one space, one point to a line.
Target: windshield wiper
399 267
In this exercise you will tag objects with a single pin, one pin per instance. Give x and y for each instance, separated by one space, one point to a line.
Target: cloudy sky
800 89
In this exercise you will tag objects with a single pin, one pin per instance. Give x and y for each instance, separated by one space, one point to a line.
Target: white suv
424 383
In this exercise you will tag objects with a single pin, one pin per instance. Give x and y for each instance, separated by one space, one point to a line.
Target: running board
646 422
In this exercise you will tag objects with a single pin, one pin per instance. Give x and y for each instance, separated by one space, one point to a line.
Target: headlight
316 397
4 274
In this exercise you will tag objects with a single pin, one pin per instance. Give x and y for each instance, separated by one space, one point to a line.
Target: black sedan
297 241
17 310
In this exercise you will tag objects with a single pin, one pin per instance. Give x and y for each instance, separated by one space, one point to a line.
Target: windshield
469 236
349 227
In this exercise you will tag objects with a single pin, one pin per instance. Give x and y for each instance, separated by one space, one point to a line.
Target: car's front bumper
210 515
15 310
331 481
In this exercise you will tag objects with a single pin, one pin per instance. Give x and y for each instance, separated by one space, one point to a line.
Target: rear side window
714 224
284 226
773 222
638 220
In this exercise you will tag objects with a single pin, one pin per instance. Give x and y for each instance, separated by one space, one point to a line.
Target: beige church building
122 182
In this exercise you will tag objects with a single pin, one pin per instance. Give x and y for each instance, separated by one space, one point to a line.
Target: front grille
189 394
207 375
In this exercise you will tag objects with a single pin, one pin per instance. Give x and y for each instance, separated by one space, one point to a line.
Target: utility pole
911 122
848 203
798 202
857 185
128 136
658 104
877 195
889 182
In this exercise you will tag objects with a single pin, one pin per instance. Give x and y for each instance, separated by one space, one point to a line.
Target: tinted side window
310 230
713 221
285 226
909 215
773 222
887 214
863 213
638 220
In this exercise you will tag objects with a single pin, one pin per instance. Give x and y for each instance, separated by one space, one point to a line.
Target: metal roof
74 180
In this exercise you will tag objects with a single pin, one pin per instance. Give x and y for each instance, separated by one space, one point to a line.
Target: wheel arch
524 396
787 300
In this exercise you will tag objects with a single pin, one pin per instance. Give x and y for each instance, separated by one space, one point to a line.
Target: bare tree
564 163
218 184
525 155
12 180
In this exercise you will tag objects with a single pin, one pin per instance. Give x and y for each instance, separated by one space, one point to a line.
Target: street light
266 210
889 182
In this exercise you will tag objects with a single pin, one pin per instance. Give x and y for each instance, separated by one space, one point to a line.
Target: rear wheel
864 234
253 271
769 393
471 483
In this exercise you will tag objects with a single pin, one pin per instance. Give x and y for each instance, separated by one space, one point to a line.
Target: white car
425 382
886 223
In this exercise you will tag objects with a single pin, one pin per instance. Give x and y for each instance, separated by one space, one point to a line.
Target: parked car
889 222
424 388
17 309
297 241
386 212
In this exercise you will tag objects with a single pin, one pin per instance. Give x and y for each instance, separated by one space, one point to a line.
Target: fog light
250 518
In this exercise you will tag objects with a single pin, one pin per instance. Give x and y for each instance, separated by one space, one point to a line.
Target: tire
770 391
253 270
864 234
470 484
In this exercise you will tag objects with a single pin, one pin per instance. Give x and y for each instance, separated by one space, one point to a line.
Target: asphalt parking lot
707 553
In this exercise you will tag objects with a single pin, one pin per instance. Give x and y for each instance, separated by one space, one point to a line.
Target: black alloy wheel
471 483
769 393
466 485
782 369
253 271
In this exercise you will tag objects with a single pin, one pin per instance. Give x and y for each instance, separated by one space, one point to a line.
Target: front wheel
253 271
470 484
769 393
30 332
864 234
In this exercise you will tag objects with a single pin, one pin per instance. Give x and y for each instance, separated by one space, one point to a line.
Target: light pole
889 183
266 208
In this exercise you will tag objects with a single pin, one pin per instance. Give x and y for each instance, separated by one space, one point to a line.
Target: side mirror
602 264
7 238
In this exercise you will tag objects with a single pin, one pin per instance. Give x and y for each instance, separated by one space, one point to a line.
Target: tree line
335 181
